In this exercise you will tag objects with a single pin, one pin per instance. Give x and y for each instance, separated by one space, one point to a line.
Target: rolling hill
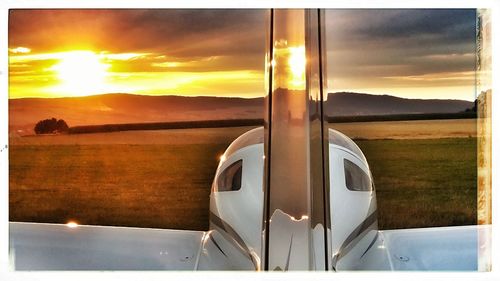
128 108
356 104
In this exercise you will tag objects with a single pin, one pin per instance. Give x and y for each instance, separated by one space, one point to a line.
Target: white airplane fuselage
237 214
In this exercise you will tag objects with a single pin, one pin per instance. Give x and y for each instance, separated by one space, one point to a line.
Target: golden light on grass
81 73
72 224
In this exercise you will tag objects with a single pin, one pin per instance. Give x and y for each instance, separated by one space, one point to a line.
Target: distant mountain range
356 104
127 108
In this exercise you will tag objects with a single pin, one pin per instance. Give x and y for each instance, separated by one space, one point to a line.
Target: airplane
233 241
261 217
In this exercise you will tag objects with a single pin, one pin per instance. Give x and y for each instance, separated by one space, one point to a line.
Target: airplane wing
38 246
437 248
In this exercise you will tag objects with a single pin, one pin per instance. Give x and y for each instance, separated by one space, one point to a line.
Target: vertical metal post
295 203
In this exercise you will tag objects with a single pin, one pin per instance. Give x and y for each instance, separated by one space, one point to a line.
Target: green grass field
165 182
422 183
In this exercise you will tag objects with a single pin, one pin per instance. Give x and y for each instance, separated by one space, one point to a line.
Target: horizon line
215 96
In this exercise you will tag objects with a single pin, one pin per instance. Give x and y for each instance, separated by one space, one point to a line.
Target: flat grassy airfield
424 171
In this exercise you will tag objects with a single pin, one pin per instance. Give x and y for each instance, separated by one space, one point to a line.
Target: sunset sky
154 52
408 53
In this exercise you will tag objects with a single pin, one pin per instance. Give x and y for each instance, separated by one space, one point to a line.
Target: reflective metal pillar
296 205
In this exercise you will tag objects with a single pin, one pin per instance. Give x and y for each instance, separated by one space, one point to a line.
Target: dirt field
419 129
180 136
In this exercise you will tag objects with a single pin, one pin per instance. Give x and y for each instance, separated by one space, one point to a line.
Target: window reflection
355 178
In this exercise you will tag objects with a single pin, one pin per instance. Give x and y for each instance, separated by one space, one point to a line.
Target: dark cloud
176 33
407 23
386 26
195 32
366 44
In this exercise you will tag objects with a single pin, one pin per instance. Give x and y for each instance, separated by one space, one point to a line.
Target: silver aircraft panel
294 227
39 246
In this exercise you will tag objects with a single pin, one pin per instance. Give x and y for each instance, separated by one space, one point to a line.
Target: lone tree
51 126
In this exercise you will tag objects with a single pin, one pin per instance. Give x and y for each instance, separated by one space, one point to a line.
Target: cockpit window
355 178
230 178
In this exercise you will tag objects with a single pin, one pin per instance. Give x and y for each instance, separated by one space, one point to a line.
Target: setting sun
86 52
81 73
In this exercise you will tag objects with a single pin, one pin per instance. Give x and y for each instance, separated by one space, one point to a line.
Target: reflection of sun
292 64
81 73
297 63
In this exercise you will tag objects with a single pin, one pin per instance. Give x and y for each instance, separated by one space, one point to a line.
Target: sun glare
81 73
292 64
72 224
297 63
